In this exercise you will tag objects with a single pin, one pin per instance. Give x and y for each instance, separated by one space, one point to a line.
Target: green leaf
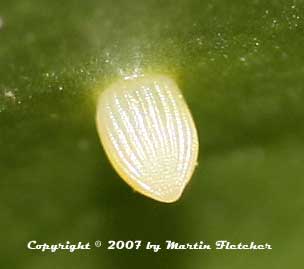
240 65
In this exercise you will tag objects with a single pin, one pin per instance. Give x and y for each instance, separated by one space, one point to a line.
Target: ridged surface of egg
149 136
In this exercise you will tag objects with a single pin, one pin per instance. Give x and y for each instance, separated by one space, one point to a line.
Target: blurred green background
240 65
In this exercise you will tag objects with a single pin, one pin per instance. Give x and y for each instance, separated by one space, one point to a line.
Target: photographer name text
148 245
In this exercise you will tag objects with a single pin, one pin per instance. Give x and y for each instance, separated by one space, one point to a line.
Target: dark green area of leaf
240 65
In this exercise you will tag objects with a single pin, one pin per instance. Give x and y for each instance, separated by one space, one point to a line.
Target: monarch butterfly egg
149 136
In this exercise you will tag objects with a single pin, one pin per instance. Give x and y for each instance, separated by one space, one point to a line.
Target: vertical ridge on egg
149 136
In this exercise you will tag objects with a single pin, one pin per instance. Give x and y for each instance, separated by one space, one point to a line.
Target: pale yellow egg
148 134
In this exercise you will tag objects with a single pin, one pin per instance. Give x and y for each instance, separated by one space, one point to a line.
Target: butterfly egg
148 134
